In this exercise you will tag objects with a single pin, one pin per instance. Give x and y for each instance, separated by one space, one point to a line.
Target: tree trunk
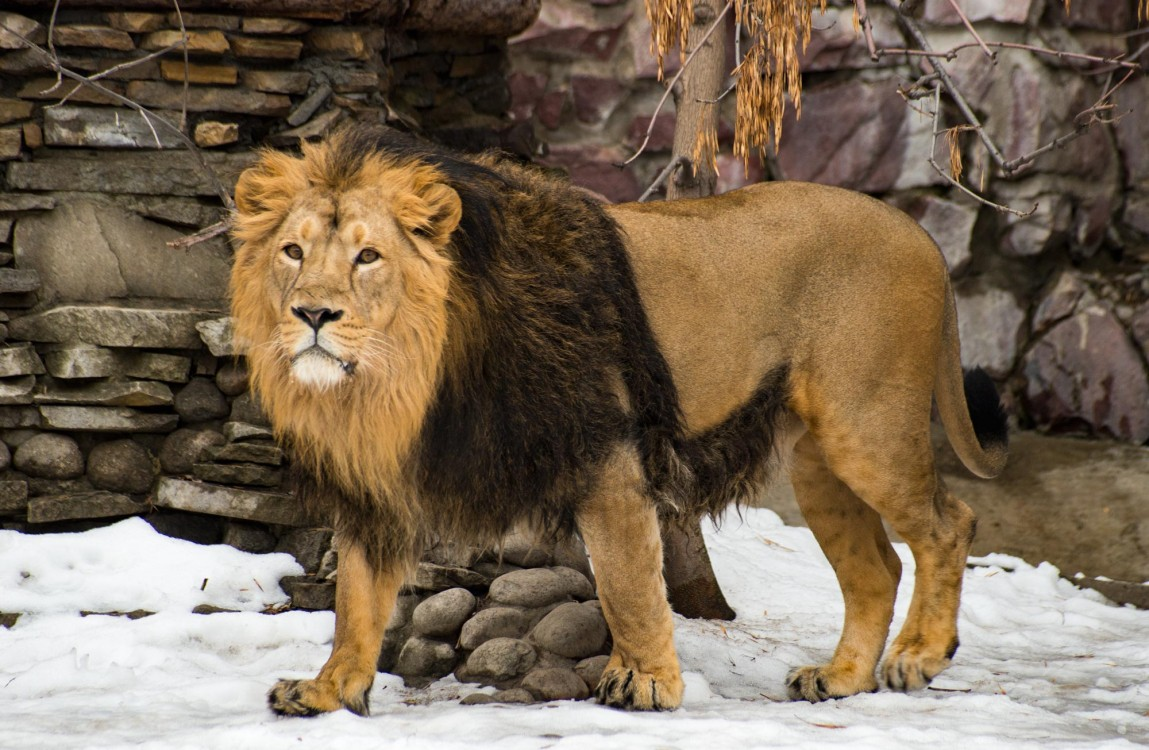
690 581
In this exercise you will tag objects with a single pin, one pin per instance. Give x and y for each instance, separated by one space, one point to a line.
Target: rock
453 554
31 30
571 31
533 587
13 496
277 81
136 23
307 593
591 669
990 325
20 359
287 26
834 44
593 168
132 393
209 134
255 475
309 106
498 660
105 127
201 401
221 75
239 431
306 545
248 505
431 577
493 622
423 660
39 487
441 615
121 466
88 505
19 280
571 553
1139 327
1044 229
525 550
577 584
105 419
1061 301
17 417
513 695
106 325
474 699
80 361
941 12
164 173
192 527
17 390
49 456
1085 375
11 143
217 335
572 630
210 42
950 223
554 684
245 408
186 447
205 21
258 453
14 110
595 98
249 537
169 368
5 457
209 99
256 48
88 252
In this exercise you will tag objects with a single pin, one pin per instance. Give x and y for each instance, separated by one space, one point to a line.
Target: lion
453 345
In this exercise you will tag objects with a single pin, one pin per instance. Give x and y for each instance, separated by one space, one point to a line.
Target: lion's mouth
304 365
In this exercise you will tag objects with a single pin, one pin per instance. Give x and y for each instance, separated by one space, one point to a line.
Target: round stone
532 587
49 456
575 631
501 659
591 669
186 447
514 695
232 378
444 613
200 401
423 659
494 622
121 466
525 551
555 684
5 457
577 584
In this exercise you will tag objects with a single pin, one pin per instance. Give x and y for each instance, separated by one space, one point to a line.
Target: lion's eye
293 251
367 255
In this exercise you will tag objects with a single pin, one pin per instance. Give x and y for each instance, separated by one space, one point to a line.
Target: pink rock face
526 90
595 98
1006 11
1086 376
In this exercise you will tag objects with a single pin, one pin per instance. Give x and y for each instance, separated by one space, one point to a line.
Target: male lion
453 345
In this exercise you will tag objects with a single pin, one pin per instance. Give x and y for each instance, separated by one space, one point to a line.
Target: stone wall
1055 305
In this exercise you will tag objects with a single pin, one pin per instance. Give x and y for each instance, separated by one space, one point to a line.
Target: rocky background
1055 306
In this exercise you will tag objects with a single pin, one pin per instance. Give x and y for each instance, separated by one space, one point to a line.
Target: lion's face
334 269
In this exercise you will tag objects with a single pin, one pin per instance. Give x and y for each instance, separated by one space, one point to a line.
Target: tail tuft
985 411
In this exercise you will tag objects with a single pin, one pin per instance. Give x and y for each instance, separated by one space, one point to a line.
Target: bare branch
973 32
862 16
203 235
187 67
668 170
951 53
675 80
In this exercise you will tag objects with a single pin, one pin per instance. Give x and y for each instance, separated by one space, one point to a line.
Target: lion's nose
316 318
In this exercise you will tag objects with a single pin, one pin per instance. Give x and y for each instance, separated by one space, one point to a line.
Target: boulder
498 660
200 401
121 466
186 447
490 623
443 614
575 631
49 456
990 325
555 684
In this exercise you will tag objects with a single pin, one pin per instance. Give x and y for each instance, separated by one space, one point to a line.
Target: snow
1042 663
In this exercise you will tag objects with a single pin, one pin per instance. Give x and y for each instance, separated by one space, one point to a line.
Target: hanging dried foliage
777 32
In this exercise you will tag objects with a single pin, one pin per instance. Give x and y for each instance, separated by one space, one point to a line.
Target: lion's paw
816 684
625 688
313 697
907 669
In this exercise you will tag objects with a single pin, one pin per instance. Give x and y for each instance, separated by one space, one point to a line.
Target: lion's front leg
364 599
620 528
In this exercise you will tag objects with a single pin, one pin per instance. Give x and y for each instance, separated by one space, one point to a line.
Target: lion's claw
638 691
311 698
817 684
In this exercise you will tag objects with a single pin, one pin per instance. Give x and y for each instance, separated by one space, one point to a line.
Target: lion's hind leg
855 542
620 527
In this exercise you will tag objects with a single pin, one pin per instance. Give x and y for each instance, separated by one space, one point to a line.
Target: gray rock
492 569
75 506
309 594
990 325
493 622
19 280
255 475
577 584
1085 375
431 577
553 684
403 613
442 614
41 487
105 419
17 390
422 661
572 630
186 447
49 456
132 393
13 495
80 361
232 377
452 554
217 334
172 173
248 505
571 553
169 368
200 401
1139 327
513 695
5 457
256 453
107 325
19 359
526 551
532 587
306 545
1061 301
103 127
591 669
239 431
477 699
500 659
121 466
950 223
89 252
249 537
245 408
16 417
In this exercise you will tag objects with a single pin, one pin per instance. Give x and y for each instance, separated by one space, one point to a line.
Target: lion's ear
433 212
268 184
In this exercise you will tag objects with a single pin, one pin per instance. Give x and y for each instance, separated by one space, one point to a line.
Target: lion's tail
969 406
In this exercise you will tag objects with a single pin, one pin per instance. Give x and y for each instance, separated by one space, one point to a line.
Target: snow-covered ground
1042 664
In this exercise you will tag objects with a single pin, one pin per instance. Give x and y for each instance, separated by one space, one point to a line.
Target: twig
675 164
867 28
215 230
951 53
54 63
674 81
187 67
52 46
973 32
